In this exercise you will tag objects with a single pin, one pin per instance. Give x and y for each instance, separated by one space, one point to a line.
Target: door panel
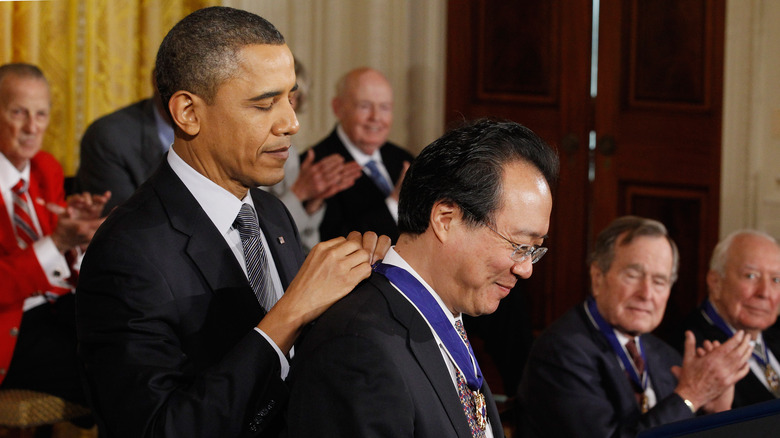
528 61
656 116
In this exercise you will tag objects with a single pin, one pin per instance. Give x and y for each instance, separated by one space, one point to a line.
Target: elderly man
597 372
39 237
392 359
364 108
193 291
744 294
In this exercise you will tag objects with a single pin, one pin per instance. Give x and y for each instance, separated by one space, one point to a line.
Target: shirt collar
360 157
219 204
10 175
395 259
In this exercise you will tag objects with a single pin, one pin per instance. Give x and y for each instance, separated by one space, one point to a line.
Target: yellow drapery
97 55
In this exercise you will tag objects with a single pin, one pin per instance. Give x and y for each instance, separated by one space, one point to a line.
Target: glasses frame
521 252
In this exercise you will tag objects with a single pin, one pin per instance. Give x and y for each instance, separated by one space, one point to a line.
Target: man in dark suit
744 294
38 234
598 372
391 358
178 330
364 107
119 151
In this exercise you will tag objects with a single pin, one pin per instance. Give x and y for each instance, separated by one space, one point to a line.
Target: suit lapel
426 351
206 247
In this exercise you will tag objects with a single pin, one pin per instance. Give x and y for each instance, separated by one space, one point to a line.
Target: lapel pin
281 239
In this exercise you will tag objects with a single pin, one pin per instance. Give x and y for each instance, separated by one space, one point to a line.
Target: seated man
392 358
598 372
364 108
120 150
39 237
744 294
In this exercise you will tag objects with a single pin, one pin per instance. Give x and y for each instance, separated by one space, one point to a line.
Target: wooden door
647 141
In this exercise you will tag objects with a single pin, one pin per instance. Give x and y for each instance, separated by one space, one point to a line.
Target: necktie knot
246 222
636 357
20 188
379 179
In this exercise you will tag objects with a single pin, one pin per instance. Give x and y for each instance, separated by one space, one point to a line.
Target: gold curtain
97 55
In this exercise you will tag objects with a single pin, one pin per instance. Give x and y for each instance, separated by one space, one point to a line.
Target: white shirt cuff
52 261
282 360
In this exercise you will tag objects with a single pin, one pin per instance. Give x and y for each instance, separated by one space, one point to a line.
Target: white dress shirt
222 208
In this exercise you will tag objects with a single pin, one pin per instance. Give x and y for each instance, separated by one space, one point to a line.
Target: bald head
364 107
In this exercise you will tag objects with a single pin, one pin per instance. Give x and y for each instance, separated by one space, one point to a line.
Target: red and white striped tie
23 222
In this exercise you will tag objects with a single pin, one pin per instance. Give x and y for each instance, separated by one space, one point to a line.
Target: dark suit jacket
166 318
749 390
573 384
21 273
119 151
361 207
370 366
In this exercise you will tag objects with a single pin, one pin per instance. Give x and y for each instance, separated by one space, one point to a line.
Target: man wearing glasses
598 372
391 358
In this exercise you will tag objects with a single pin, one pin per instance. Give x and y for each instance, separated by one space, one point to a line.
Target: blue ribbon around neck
460 352
609 333
719 322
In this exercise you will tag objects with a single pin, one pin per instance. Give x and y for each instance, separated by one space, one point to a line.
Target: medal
772 378
644 404
480 409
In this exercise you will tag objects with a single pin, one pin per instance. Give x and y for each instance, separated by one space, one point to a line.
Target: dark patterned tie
379 180
23 223
639 363
254 254
465 393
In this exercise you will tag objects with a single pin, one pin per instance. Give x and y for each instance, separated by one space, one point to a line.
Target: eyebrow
270 94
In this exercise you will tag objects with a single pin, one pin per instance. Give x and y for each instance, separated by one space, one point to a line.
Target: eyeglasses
522 252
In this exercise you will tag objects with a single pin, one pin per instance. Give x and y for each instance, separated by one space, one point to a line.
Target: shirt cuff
52 262
282 360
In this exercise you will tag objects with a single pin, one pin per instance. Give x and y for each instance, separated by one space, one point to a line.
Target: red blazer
21 273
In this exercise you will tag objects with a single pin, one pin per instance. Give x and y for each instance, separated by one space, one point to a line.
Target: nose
30 125
645 287
764 286
287 123
523 269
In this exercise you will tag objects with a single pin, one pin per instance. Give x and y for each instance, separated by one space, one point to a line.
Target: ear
714 282
183 106
336 105
596 279
443 214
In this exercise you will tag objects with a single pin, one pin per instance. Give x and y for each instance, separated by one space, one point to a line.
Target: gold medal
772 378
481 411
644 404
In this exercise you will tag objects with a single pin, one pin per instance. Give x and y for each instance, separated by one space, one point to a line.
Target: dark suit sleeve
143 343
348 387
570 388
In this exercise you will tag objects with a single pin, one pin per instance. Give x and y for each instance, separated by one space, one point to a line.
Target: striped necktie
255 257
23 222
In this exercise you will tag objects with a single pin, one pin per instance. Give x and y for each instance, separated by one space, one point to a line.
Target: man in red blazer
37 331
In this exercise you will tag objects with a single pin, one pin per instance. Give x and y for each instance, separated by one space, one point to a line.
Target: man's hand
323 179
377 246
77 223
709 373
332 269
396 193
